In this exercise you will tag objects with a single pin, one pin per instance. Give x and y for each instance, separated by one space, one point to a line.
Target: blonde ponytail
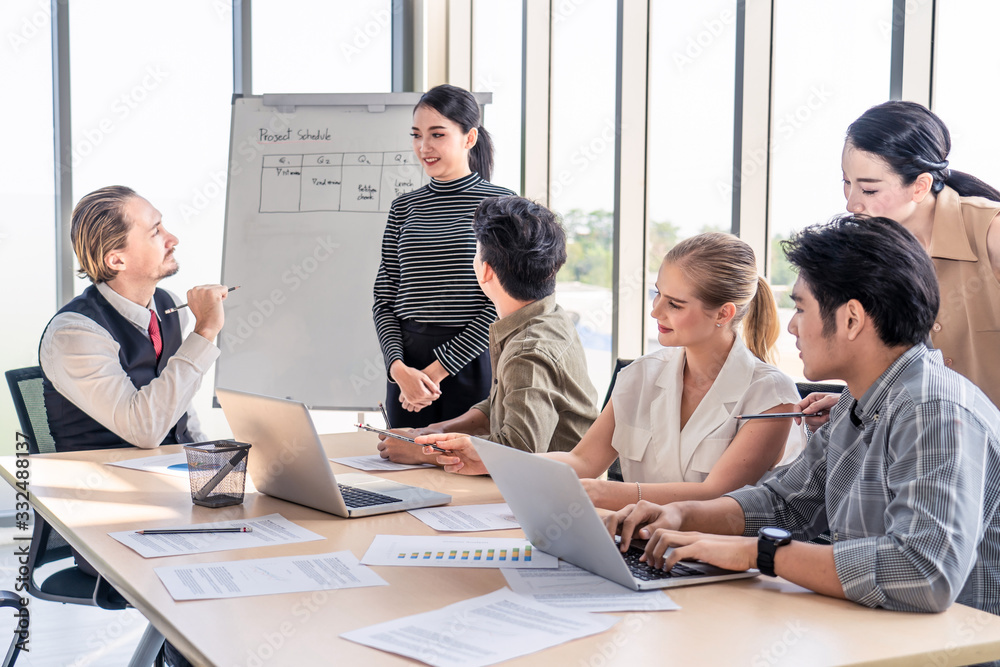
761 326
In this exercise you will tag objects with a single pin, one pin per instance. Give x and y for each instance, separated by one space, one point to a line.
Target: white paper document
448 551
571 587
267 531
481 631
495 516
376 462
170 464
267 576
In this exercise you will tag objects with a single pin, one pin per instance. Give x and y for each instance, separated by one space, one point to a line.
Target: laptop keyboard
354 497
645 572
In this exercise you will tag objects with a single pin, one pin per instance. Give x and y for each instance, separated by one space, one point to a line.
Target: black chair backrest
26 391
806 388
615 471
619 364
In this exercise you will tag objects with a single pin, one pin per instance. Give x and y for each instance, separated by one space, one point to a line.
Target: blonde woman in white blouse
671 418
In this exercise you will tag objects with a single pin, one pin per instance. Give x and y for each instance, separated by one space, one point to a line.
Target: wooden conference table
760 621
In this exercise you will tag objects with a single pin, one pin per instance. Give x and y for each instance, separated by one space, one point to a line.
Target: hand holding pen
390 434
168 311
816 407
205 302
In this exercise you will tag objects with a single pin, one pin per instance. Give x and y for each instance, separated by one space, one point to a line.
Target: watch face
775 534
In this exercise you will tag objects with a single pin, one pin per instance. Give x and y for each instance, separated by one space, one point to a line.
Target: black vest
72 428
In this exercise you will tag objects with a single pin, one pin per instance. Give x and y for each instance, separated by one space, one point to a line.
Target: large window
317 46
822 80
158 121
151 87
963 62
582 144
497 28
692 64
27 237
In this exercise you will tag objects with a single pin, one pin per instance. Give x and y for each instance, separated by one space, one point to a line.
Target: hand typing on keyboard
667 545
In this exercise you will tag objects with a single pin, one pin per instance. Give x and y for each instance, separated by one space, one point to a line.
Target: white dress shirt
647 403
81 360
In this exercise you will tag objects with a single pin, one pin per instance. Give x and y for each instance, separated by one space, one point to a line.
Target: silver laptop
287 461
557 516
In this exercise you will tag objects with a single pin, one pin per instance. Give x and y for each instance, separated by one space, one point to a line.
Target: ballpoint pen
183 531
385 415
184 305
397 436
782 415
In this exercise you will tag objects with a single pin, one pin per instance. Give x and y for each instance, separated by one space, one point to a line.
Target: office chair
70 585
10 599
806 388
615 471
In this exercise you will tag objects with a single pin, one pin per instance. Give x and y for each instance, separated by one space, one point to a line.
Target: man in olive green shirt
542 398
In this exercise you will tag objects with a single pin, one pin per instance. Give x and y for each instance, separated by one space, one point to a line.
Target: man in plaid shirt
905 475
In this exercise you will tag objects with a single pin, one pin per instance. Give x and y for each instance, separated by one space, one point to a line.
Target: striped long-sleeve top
426 273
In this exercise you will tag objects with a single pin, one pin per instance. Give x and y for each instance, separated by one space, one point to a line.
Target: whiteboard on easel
311 179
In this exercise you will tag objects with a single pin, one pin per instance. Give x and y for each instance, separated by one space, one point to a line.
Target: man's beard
170 272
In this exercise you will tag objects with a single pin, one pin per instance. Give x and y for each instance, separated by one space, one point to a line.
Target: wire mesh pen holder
218 472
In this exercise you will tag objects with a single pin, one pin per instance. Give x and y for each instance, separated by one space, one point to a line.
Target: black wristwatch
769 539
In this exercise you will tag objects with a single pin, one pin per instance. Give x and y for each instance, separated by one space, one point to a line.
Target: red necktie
154 334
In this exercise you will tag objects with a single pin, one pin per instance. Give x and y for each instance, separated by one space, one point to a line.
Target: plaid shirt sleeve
793 498
936 475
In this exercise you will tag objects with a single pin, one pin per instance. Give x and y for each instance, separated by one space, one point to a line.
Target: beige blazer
967 328
647 404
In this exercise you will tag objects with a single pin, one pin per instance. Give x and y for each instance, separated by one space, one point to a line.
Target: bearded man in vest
117 370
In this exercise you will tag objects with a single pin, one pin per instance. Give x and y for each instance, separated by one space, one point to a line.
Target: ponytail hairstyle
912 140
723 270
460 107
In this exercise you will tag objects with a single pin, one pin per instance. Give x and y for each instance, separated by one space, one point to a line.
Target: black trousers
458 392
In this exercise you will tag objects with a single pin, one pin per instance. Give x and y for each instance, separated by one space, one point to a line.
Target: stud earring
718 325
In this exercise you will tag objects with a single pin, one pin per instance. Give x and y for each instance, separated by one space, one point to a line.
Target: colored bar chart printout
447 551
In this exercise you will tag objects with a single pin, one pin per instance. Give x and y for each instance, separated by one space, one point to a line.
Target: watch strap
765 556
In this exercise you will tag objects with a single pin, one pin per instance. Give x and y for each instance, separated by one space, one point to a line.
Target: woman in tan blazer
895 164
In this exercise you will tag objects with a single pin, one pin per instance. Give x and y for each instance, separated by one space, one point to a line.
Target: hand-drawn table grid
292 183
